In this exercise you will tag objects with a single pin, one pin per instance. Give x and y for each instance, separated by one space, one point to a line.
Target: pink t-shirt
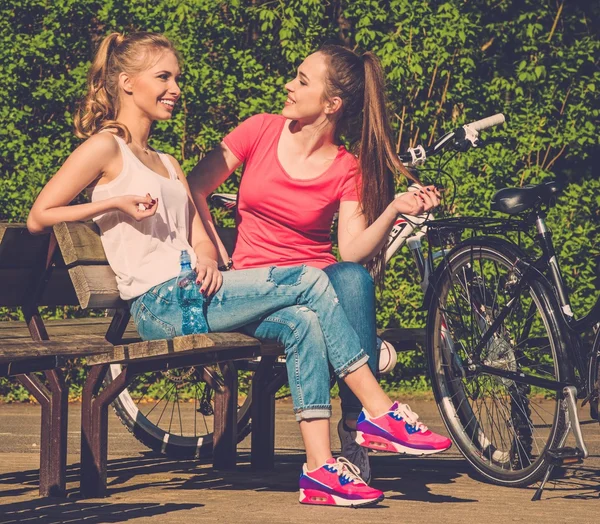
281 220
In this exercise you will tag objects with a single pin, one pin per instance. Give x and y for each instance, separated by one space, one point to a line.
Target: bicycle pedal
565 456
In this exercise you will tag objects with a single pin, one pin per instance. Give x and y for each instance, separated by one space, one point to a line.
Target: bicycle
501 333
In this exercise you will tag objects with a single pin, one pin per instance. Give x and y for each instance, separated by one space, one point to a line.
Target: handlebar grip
490 121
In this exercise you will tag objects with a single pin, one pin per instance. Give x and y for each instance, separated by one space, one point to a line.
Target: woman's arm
209 174
96 157
359 243
207 267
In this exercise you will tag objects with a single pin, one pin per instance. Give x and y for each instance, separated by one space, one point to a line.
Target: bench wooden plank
96 287
404 339
30 365
15 282
20 249
59 327
207 342
68 346
6 226
79 242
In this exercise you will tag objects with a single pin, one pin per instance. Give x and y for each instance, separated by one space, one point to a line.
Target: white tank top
146 253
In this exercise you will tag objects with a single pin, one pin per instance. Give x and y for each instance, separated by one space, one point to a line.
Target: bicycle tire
175 442
499 426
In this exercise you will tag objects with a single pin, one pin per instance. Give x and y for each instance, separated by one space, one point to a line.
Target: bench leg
265 384
53 438
225 428
94 428
59 409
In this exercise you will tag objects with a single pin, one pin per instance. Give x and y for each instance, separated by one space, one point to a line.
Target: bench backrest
23 261
93 280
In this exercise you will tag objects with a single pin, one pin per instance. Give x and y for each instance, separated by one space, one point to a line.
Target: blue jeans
306 310
356 291
308 367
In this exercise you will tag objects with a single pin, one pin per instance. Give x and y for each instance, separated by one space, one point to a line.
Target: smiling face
155 90
306 93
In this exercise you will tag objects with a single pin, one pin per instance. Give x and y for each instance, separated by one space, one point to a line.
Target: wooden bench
68 267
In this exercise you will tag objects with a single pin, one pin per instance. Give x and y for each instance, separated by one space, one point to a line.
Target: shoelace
345 468
404 411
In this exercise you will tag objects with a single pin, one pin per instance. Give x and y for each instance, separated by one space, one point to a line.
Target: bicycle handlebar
490 121
461 139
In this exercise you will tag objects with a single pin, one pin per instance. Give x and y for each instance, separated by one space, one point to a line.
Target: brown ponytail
116 54
359 82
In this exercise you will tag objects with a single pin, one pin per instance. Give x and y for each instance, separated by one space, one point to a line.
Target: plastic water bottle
190 299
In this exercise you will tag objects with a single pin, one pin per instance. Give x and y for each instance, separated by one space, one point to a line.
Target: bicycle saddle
515 200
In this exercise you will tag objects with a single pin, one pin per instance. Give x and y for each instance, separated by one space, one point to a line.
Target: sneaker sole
382 444
321 498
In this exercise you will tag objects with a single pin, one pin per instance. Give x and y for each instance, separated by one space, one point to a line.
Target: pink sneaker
399 431
336 483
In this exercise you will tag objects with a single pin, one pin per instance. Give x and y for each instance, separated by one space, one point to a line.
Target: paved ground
149 488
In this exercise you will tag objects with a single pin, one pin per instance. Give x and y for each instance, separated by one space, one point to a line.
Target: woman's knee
294 326
350 278
306 324
315 278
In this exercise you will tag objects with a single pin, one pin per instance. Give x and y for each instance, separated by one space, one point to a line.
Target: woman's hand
417 202
137 207
209 277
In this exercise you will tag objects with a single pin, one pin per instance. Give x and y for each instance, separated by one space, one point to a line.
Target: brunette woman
297 174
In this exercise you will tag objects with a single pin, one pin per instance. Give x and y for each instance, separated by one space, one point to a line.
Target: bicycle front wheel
502 427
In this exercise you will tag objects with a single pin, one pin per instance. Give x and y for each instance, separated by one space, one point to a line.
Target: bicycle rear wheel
503 428
171 412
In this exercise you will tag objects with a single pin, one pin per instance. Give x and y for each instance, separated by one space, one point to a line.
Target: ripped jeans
300 298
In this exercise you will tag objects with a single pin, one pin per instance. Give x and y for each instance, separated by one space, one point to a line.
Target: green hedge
447 62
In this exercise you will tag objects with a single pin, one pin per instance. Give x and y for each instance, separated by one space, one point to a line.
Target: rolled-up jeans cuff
353 364
312 412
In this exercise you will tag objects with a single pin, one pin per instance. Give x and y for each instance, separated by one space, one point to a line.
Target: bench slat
71 346
63 327
96 287
15 282
404 339
79 242
20 249
30 365
162 348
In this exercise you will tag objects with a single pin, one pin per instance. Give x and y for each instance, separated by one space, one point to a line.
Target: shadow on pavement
400 477
413 478
145 463
581 483
51 511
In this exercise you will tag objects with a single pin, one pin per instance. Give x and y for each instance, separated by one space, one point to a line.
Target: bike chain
179 379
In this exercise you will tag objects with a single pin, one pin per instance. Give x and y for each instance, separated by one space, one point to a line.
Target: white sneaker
387 358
